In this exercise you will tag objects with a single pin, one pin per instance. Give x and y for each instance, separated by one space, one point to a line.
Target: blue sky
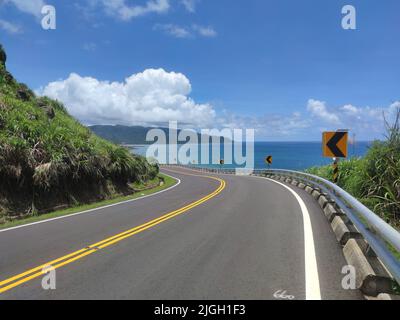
286 68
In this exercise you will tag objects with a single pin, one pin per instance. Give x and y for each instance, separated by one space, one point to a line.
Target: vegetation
374 179
167 183
48 159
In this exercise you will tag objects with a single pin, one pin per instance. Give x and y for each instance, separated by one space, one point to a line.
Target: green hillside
48 159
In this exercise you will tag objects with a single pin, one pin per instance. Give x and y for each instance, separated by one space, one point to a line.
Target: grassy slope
47 158
168 182
374 180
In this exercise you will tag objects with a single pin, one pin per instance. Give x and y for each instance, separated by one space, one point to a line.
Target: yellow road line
26 276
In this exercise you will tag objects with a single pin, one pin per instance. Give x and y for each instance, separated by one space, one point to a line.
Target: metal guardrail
379 234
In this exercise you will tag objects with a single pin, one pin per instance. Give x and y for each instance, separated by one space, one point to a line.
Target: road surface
226 237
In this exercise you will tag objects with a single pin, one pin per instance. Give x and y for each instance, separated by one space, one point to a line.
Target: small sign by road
335 144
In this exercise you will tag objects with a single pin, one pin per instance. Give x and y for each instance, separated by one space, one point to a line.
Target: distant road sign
268 160
335 144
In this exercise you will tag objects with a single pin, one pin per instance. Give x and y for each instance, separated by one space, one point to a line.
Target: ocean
286 155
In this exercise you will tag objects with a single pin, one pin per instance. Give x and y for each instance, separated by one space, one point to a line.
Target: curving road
227 237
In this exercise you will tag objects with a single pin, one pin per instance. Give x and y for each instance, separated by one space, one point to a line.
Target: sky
285 68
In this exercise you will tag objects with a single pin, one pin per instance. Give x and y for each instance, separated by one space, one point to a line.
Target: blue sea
287 155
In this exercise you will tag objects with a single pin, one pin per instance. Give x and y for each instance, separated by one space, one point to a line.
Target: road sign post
335 170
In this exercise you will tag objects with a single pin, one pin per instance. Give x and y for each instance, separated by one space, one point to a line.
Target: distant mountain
121 134
129 135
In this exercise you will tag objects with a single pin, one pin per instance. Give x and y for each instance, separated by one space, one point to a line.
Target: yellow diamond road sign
335 144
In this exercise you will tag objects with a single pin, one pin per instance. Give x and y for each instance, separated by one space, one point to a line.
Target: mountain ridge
134 135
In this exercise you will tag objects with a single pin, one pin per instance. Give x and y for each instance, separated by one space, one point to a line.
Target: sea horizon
286 155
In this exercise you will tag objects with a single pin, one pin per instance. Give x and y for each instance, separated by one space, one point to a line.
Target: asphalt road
248 238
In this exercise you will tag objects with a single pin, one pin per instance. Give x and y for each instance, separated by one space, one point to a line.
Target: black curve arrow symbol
332 144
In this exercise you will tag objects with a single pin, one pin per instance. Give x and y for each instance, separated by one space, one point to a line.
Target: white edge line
313 290
95 209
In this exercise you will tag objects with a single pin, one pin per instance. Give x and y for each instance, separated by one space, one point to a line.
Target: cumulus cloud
365 121
190 5
319 110
10 27
124 11
351 110
174 30
33 7
155 97
208 32
186 32
394 106
151 97
267 126
89 46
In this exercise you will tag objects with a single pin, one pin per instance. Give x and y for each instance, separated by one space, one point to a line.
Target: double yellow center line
26 276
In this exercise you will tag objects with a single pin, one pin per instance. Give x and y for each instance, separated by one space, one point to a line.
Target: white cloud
319 110
395 106
121 10
174 30
33 7
208 32
186 32
190 5
365 121
153 96
90 46
350 109
9 27
267 126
